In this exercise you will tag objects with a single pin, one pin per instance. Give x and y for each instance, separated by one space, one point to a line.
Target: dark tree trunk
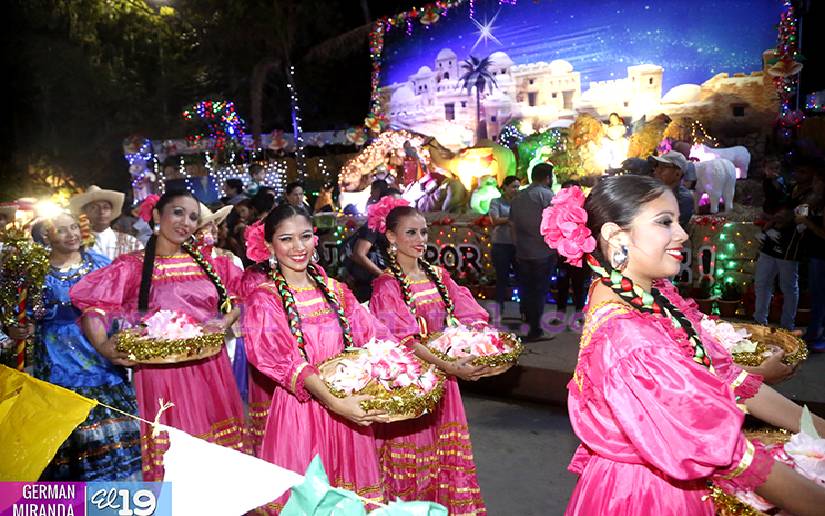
256 96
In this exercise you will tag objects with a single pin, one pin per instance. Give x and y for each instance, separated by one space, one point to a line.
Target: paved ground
522 452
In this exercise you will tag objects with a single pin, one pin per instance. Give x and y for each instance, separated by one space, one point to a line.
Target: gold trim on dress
744 462
739 379
294 381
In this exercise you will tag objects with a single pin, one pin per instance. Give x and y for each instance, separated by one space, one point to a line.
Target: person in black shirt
778 257
811 216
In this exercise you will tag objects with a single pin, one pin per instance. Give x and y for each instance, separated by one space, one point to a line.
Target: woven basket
768 337
497 363
401 404
161 351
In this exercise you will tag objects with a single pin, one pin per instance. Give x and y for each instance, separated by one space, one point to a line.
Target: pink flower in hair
146 207
255 242
564 226
377 213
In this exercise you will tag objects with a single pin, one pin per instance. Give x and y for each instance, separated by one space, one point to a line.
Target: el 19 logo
128 499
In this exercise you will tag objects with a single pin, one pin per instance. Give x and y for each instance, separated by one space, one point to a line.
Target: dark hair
541 172
246 203
381 185
263 202
618 199
391 191
271 223
569 183
508 181
149 259
280 214
254 169
235 184
292 186
399 212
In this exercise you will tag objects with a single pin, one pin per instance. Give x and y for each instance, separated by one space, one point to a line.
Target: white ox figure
717 178
739 155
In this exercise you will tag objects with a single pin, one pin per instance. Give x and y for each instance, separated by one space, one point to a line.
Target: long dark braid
291 307
406 289
653 302
224 302
146 274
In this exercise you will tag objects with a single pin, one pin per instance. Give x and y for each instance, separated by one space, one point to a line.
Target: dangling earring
156 229
273 262
392 250
618 260
315 256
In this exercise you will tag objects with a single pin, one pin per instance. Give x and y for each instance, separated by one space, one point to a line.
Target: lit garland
222 123
298 132
426 15
786 66
510 136
374 154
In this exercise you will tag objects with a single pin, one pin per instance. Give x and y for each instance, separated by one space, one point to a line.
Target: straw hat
95 193
217 217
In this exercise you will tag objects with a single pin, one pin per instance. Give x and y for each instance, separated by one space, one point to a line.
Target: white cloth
209 479
111 243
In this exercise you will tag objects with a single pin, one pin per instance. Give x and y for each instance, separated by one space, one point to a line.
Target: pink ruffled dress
431 457
206 398
298 427
655 426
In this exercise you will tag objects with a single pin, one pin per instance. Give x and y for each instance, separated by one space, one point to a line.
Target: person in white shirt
100 207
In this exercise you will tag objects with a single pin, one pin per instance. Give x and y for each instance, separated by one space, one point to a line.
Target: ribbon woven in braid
653 302
377 213
564 226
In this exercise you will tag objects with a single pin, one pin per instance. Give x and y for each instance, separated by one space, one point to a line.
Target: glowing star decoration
485 31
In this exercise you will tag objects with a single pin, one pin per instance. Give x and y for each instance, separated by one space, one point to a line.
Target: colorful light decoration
222 123
785 69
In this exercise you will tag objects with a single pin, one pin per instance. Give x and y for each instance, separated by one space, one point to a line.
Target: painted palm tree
477 73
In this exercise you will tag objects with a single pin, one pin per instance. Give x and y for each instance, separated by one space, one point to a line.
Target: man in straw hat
670 168
101 207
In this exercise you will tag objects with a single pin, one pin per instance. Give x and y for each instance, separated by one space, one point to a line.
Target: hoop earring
618 259
273 262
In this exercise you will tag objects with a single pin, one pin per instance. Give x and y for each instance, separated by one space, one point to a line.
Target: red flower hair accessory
256 243
146 207
564 226
377 213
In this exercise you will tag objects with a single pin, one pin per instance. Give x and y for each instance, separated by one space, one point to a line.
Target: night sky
691 39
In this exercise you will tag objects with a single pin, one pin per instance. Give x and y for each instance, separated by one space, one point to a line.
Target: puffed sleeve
107 292
745 385
365 326
387 305
467 309
231 275
680 418
271 347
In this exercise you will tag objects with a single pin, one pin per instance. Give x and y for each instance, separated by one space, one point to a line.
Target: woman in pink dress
657 404
170 274
294 321
431 457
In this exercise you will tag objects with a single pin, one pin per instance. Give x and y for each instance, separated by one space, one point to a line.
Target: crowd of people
656 401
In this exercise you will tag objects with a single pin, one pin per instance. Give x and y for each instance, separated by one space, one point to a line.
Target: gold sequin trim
422 293
99 451
94 310
199 273
744 463
295 376
739 379
590 327
178 265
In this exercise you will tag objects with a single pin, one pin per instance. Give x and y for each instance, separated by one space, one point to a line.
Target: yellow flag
35 418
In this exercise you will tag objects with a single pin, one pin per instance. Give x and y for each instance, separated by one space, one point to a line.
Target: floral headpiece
564 226
146 207
256 243
377 213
